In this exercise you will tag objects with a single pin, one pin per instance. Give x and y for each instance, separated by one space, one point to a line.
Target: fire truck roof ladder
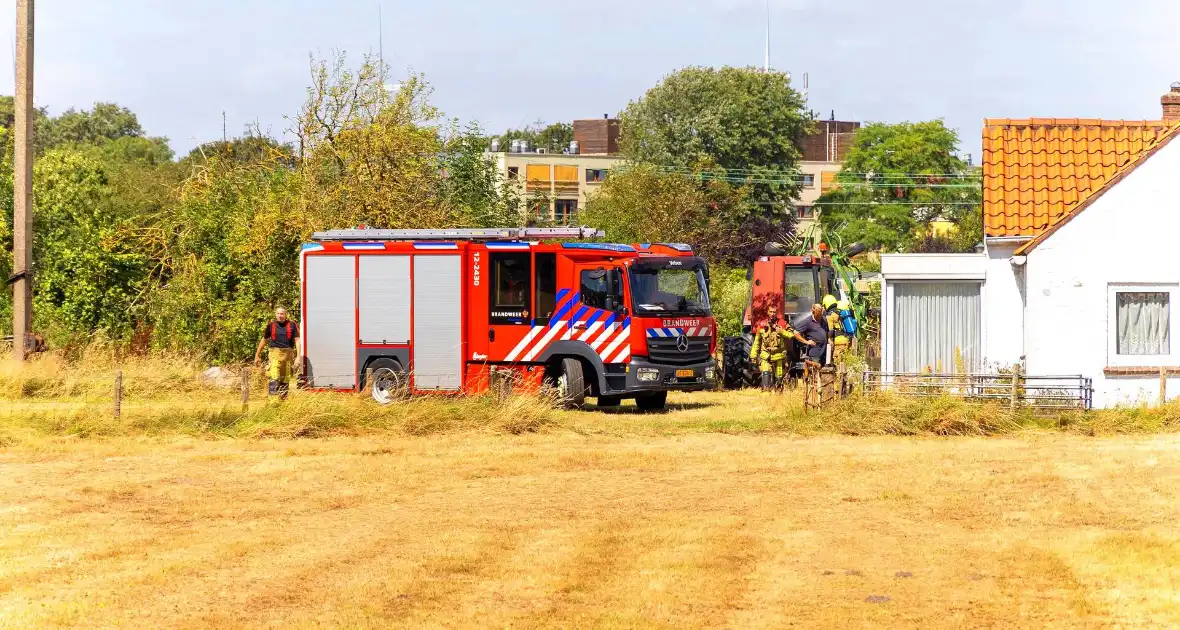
459 234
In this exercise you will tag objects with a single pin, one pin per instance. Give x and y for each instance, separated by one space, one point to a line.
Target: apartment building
563 181
566 180
823 153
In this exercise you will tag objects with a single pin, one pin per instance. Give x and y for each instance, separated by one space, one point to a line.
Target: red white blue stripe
657 333
607 334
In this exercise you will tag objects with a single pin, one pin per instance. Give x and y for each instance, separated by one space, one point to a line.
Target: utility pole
22 184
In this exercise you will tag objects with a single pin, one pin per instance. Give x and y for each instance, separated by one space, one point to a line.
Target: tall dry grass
90 376
55 396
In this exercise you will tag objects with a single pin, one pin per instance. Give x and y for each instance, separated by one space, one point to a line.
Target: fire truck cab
455 311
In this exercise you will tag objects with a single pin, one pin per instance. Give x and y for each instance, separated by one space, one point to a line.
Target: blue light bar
609 247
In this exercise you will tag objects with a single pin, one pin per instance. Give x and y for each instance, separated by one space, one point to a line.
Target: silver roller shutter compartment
330 321
384 299
438 323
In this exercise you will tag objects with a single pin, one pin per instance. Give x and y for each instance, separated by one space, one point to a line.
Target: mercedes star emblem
682 343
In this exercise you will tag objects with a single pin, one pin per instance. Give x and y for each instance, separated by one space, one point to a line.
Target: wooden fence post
1163 386
118 393
245 390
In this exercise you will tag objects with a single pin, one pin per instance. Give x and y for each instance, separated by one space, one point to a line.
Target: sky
180 64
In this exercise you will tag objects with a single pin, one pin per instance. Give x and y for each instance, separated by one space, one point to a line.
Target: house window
808 181
564 210
595 175
1140 323
513 172
805 212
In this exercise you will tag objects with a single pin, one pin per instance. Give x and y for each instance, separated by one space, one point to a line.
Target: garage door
936 326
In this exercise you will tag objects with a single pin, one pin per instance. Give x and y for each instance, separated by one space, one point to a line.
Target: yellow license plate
685 373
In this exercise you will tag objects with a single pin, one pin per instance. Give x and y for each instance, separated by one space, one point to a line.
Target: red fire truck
454 310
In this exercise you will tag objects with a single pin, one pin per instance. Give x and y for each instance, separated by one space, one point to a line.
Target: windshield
670 291
798 290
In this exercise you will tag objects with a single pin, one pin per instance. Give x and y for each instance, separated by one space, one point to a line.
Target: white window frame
1113 358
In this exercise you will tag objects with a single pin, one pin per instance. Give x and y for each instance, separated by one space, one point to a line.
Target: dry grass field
572 529
731 510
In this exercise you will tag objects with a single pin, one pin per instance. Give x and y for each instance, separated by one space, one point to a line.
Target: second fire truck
456 310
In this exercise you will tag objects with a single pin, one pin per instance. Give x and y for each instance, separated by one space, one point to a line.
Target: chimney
1171 103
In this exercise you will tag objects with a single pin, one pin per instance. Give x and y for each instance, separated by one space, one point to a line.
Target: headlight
647 375
710 374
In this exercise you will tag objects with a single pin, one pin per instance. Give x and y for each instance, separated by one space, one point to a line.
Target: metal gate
329 321
1047 393
438 323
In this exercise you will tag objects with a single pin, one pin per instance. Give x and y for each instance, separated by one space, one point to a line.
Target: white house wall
1127 236
1003 309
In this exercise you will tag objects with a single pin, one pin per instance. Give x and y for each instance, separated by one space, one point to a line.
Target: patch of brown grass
563 530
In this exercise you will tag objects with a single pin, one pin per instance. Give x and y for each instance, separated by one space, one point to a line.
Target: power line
801 173
848 185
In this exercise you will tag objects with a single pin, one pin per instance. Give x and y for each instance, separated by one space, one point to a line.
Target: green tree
643 203
106 121
744 122
224 255
896 181
248 149
555 137
474 186
88 277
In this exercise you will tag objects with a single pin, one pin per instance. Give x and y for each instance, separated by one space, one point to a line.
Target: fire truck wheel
571 385
654 401
389 381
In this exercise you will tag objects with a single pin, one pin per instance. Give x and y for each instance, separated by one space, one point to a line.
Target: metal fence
1050 393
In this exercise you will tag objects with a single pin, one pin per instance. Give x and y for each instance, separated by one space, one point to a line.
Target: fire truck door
510 315
600 317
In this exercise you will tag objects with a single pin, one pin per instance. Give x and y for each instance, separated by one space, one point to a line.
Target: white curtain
933 320
1143 323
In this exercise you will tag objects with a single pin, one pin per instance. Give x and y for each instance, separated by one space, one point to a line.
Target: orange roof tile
1037 171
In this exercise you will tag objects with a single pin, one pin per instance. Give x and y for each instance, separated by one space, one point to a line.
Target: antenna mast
766 63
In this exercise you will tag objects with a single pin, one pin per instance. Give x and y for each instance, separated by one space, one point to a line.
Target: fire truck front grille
664 350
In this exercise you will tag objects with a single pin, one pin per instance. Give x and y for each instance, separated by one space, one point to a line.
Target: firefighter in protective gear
769 349
837 336
280 337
